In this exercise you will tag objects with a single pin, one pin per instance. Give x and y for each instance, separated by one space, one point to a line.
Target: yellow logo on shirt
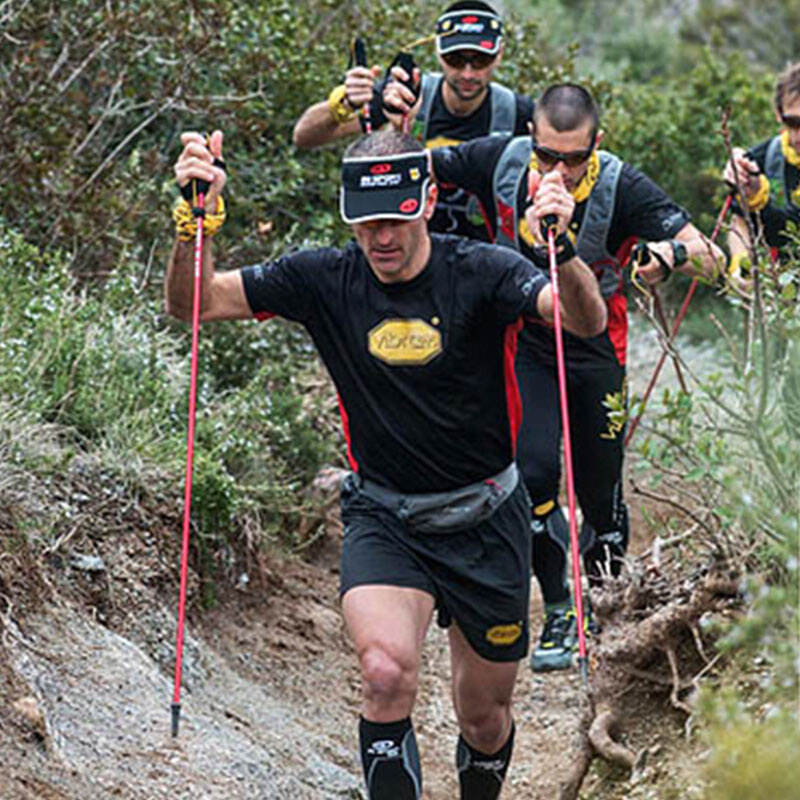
405 342
504 634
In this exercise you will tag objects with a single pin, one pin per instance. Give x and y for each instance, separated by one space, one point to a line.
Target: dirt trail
269 707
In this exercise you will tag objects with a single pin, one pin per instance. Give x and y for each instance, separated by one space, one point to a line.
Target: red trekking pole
678 319
549 227
195 190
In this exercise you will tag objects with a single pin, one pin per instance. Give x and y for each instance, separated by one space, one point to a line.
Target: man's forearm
179 284
584 310
317 127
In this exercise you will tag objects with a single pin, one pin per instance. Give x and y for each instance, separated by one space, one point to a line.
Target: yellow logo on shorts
504 634
405 341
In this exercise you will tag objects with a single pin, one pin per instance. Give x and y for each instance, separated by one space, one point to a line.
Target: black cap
468 30
384 187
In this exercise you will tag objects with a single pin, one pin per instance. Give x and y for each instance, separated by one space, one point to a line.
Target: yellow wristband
186 222
339 111
740 262
761 197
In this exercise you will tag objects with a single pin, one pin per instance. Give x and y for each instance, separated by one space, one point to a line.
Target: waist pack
445 512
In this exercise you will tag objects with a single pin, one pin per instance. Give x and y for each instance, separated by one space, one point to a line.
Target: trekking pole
678 320
195 194
359 58
549 227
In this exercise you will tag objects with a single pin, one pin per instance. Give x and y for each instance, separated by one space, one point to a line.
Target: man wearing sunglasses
458 104
415 330
603 206
769 175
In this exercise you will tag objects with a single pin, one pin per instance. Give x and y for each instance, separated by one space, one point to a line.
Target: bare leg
388 625
482 692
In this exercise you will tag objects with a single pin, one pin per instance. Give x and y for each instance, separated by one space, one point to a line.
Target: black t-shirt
456 212
642 210
775 215
424 368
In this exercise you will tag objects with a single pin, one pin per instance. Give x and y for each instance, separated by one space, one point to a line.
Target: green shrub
102 367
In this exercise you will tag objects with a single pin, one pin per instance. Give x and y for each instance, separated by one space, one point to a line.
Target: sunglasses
549 158
791 121
460 58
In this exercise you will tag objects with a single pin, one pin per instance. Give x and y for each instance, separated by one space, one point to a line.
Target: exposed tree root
600 736
647 620
582 755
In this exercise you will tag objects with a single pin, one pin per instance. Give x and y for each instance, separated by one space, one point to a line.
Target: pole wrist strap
337 105
186 222
565 250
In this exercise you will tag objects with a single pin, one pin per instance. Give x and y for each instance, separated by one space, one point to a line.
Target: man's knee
387 676
487 726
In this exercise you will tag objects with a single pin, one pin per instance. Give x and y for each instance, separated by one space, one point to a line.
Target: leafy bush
726 457
104 369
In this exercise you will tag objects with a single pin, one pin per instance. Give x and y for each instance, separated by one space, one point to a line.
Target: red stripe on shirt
513 400
346 428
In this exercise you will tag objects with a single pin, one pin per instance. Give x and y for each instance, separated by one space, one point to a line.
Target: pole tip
176 718
583 662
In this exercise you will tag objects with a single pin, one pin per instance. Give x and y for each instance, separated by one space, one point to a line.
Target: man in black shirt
418 332
769 174
603 205
459 104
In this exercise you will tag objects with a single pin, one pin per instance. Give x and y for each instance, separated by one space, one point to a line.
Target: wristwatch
679 254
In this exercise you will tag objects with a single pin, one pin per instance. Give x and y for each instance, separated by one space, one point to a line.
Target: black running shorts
479 576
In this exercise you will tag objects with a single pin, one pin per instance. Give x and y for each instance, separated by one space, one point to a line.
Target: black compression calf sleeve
479 775
390 759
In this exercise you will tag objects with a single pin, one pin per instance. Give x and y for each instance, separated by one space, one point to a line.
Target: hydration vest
590 243
775 170
503 106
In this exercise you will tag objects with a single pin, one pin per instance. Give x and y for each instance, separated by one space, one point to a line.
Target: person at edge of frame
769 175
418 333
460 103
604 206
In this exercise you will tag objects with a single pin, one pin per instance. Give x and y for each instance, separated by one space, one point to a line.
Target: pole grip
549 223
406 61
641 254
359 52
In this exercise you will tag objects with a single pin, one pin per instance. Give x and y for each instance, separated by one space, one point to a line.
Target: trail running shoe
557 642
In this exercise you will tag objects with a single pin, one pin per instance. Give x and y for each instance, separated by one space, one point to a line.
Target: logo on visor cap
391 186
